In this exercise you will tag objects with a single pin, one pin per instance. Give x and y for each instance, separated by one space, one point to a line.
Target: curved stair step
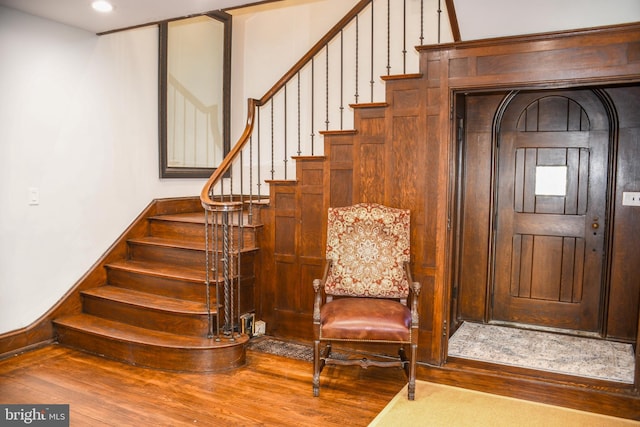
159 278
160 269
148 310
147 300
149 348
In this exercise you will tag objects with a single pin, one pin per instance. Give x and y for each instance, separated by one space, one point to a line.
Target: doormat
563 354
287 349
282 348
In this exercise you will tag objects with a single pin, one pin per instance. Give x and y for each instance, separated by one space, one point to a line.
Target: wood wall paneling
624 295
475 189
369 146
402 153
339 151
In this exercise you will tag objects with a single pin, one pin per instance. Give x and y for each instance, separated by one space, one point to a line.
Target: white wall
78 120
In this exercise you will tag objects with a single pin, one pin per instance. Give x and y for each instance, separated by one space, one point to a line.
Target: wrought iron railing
342 68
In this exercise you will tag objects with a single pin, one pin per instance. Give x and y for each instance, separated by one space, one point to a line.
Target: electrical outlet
631 198
260 328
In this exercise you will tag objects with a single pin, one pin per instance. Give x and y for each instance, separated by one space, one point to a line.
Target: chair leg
316 368
412 372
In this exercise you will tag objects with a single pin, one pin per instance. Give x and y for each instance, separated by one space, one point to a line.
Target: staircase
151 308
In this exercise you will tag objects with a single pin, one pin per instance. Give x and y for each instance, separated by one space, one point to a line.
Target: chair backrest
368 245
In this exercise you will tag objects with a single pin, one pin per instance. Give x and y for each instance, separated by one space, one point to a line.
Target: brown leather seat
375 319
367 271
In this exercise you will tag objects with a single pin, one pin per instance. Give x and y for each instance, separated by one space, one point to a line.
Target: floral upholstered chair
365 289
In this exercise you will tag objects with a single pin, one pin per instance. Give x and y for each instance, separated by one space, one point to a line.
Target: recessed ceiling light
102 6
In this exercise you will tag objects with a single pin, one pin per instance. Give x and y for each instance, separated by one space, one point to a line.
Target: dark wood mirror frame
192 172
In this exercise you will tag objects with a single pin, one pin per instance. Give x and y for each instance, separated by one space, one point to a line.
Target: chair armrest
414 293
318 288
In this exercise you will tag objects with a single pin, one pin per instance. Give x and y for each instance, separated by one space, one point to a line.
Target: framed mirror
194 94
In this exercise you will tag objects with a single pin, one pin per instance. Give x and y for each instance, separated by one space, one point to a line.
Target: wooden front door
551 210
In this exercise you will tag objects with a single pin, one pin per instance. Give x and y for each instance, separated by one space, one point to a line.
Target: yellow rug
442 405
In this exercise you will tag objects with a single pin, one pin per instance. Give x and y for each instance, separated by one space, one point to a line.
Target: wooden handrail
205 194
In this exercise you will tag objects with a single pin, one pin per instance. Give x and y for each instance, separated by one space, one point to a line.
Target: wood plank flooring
268 391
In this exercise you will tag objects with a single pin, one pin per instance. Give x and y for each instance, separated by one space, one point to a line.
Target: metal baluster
371 82
230 276
299 139
439 15
404 37
239 265
241 192
285 160
228 323
326 86
207 274
341 79
313 93
421 22
357 57
273 170
216 267
228 194
250 180
259 165
388 37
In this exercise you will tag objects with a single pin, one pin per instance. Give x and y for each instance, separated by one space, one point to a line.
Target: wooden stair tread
160 269
365 105
144 299
402 77
169 243
175 243
125 332
194 217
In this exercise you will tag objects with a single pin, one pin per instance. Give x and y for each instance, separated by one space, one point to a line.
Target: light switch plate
34 196
631 198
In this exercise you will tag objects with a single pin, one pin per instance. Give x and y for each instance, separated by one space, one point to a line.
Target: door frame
458 188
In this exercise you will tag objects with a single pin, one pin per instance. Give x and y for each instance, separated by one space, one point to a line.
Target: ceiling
125 14
499 17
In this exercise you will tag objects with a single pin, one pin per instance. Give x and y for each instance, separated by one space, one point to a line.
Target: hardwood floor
269 390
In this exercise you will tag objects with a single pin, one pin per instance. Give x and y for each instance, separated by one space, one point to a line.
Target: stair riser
168 358
145 317
194 259
190 232
180 289
188 258
169 287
